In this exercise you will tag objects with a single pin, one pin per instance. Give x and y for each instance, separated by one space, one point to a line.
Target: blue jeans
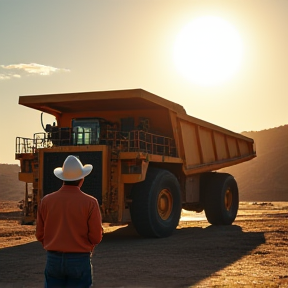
65 270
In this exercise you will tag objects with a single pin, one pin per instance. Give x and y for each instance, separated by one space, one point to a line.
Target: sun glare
208 51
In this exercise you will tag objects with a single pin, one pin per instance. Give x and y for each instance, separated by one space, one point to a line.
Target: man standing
69 226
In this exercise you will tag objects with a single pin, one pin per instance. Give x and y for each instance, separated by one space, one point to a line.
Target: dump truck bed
208 147
201 146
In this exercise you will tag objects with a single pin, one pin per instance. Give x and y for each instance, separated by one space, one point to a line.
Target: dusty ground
253 252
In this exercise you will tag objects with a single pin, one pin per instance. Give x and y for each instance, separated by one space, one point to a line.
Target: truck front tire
221 198
156 204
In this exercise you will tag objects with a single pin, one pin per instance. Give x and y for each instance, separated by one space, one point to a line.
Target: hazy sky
72 46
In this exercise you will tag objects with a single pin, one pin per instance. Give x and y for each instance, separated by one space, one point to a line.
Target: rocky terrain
253 252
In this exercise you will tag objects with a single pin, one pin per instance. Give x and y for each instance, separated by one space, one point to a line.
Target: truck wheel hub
164 204
228 199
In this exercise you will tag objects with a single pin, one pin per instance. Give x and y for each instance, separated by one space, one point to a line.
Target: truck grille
93 182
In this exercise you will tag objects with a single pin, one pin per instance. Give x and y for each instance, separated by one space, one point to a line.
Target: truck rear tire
221 199
156 204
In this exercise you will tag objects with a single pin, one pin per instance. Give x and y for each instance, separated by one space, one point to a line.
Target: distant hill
265 178
10 187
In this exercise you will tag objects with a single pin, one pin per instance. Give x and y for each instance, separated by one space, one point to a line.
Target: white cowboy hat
72 169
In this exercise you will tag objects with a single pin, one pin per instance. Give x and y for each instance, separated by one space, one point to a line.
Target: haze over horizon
224 61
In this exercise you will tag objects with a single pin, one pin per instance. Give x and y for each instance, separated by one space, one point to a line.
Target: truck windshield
85 131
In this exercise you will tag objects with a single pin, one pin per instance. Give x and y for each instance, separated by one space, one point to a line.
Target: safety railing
138 140
133 141
29 145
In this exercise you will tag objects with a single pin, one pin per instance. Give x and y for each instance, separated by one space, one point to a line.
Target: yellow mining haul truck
150 158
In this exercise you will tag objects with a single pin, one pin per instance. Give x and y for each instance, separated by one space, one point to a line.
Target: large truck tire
156 204
221 198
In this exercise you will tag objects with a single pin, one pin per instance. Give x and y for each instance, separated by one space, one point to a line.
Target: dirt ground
253 252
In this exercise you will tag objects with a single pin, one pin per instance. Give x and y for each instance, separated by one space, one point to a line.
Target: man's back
67 215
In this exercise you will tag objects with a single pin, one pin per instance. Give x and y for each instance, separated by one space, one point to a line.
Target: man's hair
72 183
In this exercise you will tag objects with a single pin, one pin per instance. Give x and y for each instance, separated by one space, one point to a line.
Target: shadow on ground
124 259
187 257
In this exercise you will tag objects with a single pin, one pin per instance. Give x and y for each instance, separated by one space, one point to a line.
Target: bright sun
208 51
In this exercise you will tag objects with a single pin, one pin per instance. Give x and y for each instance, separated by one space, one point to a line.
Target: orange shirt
69 220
